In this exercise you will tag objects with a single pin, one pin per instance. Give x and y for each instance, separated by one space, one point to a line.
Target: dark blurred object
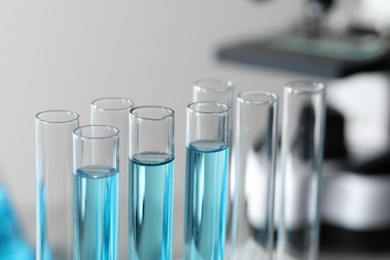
334 144
311 48
341 240
329 55
379 165
12 243
356 188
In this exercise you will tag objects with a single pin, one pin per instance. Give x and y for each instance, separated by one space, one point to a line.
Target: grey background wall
64 54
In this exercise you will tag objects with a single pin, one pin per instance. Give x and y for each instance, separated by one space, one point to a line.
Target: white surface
366 114
363 200
64 54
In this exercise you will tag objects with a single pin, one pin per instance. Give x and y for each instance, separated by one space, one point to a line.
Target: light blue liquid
205 201
43 250
150 206
46 250
13 246
95 213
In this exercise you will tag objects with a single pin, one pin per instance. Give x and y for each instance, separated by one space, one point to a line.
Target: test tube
206 173
54 183
214 90
301 168
151 181
95 192
256 139
221 91
114 111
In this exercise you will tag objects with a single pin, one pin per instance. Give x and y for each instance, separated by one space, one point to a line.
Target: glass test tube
214 90
151 181
256 139
54 130
114 111
301 155
206 177
95 192
221 91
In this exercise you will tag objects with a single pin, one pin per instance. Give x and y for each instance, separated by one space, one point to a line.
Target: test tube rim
221 85
273 98
305 87
129 102
170 113
115 133
223 112
39 115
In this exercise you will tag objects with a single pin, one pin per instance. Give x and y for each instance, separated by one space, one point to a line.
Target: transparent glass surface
54 183
114 111
256 140
221 91
214 90
301 169
151 183
206 180
95 192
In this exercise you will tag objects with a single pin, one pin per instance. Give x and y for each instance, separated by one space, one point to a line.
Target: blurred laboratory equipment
13 244
347 44
332 39
356 213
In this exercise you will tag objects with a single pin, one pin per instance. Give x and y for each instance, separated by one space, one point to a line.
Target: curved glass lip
305 87
267 97
114 132
170 113
127 103
214 84
73 116
223 109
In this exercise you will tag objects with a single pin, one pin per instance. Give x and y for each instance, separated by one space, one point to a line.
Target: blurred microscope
348 44
331 40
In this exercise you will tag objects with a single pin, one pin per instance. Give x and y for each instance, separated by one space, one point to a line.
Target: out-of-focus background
64 54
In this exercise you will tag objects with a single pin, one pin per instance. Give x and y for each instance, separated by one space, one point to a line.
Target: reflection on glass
151 180
54 130
301 155
206 180
114 111
95 192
